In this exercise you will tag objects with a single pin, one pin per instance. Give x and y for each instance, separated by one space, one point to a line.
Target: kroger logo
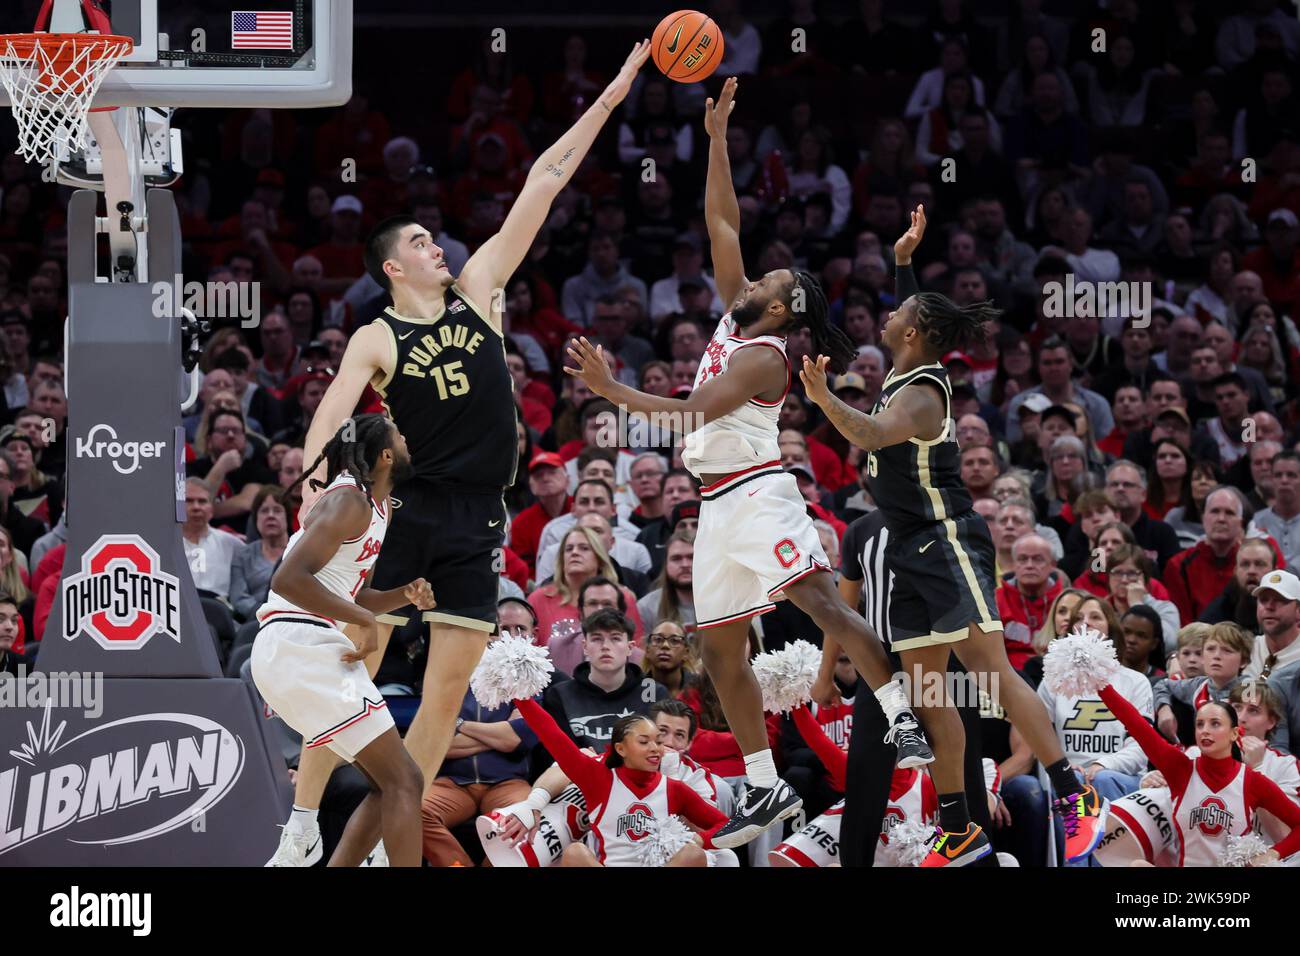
101 442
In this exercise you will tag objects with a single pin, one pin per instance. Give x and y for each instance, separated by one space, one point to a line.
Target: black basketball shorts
943 582
453 539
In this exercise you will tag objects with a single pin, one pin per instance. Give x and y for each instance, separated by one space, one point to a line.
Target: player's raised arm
496 260
367 353
721 211
913 413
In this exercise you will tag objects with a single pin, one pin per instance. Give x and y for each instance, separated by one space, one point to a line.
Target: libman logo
118 782
121 597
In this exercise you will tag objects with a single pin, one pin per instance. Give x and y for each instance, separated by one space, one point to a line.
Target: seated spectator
1191 641
302 395
682 497
32 488
13 657
1015 519
604 686
603 275
209 551
646 480
597 593
669 649
580 557
688 263
23 530
1196 576
1126 483
1186 520
1025 596
548 483
229 469
1281 520
1286 684
1130 577
1143 649
1064 479
1224 654
1236 602
1277 601
623 550
486 768
255 561
672 598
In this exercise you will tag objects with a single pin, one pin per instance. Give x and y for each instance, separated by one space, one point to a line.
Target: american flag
254 30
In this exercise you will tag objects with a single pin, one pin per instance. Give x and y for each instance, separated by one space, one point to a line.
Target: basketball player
755 540
941 555
437 359
303 664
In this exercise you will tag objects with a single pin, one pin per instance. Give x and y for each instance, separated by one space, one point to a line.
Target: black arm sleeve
905 283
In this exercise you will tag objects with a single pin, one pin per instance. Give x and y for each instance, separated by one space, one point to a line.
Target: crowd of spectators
1137 467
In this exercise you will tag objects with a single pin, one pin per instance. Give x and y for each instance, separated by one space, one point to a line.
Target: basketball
687 46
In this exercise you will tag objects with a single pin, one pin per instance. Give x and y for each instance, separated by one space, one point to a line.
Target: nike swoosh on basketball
924 546
672 47
405 336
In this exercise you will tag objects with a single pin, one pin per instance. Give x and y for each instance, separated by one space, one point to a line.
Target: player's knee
575 854
690 856
405 779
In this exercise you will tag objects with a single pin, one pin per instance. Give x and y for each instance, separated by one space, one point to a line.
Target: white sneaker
378 856
298 848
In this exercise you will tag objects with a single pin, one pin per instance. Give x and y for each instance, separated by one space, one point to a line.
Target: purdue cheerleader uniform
451 396
297 655
940 550
755 537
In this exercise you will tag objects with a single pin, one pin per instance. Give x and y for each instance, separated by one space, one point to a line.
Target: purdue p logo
1087 715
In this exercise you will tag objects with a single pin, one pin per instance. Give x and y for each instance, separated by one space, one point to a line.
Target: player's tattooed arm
914 412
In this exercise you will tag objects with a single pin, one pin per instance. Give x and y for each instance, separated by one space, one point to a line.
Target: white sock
302 820
760 770
892 701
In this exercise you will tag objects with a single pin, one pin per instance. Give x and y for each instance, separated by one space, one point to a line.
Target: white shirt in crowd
210 560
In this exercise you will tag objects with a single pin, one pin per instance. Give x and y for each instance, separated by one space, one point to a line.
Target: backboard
197 53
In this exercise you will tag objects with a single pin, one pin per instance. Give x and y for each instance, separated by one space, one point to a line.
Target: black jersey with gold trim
451 395
918 482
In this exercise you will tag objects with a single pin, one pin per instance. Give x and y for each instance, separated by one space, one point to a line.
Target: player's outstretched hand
366 640
813 376
909 240
591 366
618 87
420 594
715 117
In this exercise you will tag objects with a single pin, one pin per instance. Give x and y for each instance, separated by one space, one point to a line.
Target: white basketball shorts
298 667
755 538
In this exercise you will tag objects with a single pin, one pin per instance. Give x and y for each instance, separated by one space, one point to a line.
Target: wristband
538 799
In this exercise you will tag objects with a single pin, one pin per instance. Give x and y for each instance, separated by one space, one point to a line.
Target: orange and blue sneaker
1083 814
958 849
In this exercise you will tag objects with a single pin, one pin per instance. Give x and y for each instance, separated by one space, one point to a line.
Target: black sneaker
913 749
761 807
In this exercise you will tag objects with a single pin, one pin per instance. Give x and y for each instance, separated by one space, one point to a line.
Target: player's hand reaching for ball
715 117
366 640
420 594
813 376
909 240
592 367
619 86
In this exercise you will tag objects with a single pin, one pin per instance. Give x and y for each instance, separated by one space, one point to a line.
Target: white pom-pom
512 668
911 840
1080 663
1238 851
664 839
786 676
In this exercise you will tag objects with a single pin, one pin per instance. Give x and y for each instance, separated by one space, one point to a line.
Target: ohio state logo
787 552
1211 817
894 817
121 597
634 822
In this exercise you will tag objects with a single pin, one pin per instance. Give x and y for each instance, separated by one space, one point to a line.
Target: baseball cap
1280 582
1037 403
1282 215
958 356
545 459
683 509
347 204
850 380
1063 412
317 347
1178 412
799 468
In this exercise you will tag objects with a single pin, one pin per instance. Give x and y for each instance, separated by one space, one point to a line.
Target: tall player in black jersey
942 556
437 358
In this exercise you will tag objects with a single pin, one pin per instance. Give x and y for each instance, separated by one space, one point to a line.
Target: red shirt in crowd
526 529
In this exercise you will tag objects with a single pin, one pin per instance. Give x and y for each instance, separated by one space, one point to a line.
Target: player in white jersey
308 670
756 542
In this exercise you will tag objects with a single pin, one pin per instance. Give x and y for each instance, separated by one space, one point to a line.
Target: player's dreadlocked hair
810 309
354 448
944 325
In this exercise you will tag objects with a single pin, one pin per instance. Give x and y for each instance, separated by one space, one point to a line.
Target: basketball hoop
52 79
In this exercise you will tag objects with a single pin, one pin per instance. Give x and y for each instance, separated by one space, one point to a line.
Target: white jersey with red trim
1205 818
345 572
623 821
908 800
1283 770
678 766
745 437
